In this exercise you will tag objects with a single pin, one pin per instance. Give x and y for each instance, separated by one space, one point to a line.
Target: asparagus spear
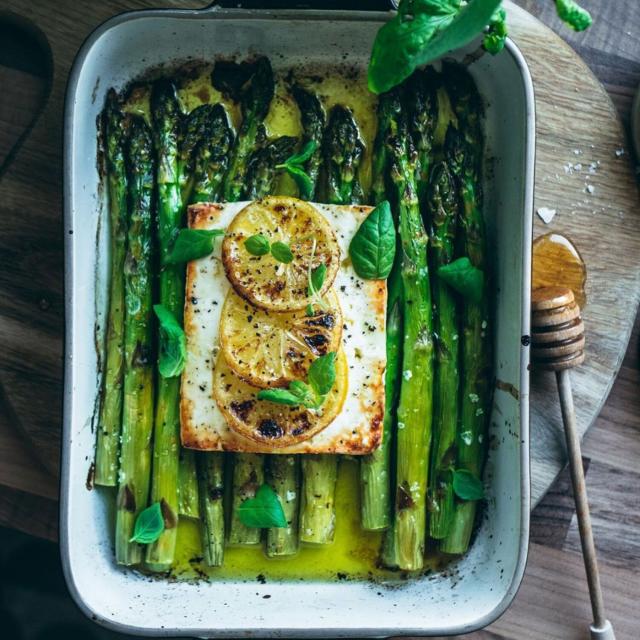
248 476
422 107
388 113
313 120
282 475
211 156
211 492
115 131
203 159
443 209
137 411
416 388
166 117
205 149
255 101
282 469
261 169
465 159
317 508
342 151
188 499
375 469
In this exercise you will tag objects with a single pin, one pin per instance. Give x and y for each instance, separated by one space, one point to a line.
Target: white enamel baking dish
472 592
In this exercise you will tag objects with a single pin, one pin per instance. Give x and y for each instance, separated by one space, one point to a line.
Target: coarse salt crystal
546 214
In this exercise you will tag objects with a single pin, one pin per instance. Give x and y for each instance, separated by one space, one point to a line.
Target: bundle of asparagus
440 376
437 341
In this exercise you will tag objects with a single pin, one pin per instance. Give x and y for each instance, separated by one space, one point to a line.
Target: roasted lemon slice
266 281
270 424
270 349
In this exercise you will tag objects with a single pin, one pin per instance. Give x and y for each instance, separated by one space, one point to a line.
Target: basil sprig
373 247
310 394
264 511
466 279
149 525
259 245
467 486
294 166
422 31
173 344
191 244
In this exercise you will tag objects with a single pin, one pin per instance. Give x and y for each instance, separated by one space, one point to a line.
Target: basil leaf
317 279
279 396
293 166
264 511
281 252
373 247
301 178
191 244
494 38
467 486
173 344
303 155
149 525
304 393
466 279
257 245
422 31
322 374
573 15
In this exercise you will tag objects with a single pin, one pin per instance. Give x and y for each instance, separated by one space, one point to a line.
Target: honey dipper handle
601 628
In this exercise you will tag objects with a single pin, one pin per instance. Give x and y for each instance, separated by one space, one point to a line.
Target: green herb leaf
321 378
294 167
422 31
304 393
191 244
281 252
573 15
279 396
302 156
373 247
302 180
149 525
173 344
467 486
264 511
317 280
466 279
257 245
494 38
322 374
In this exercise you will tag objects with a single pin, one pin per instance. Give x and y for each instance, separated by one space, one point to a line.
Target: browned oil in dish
557 261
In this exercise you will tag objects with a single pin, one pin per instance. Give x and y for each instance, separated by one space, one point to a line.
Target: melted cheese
358 427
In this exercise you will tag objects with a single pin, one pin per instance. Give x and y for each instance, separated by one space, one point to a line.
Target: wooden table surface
552 602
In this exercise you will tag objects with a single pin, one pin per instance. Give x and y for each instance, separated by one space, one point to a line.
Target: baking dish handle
343 5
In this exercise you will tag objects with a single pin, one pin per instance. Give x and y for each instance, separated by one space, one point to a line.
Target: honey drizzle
557 261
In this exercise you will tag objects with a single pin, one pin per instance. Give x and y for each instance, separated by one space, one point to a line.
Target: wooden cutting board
580 142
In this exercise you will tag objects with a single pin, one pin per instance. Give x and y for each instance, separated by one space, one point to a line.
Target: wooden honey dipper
557 344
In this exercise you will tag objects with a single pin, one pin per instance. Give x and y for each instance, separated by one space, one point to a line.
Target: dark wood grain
31 234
